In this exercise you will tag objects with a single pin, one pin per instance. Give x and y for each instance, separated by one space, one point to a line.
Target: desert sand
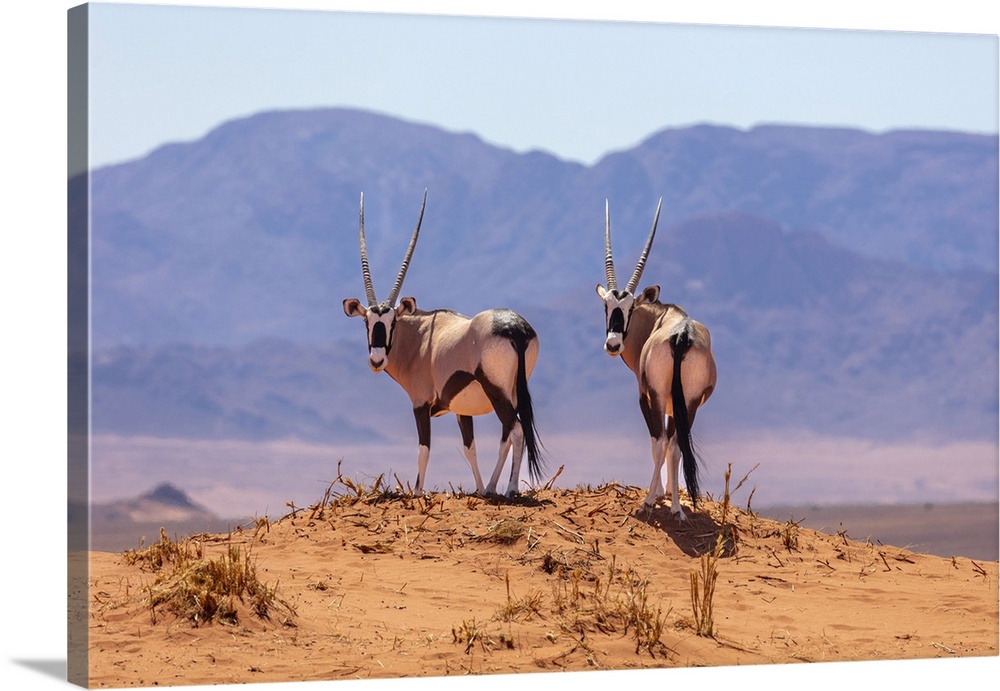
373 584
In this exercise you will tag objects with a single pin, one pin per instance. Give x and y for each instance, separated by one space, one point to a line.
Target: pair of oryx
450 363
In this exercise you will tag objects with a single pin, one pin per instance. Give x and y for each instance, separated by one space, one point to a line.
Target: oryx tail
680 344
525 413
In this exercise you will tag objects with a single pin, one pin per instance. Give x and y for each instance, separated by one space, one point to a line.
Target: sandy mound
375 584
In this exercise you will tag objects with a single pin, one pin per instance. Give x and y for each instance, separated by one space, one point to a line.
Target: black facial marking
379 339
616 324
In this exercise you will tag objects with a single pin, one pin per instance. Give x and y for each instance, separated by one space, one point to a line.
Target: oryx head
380 317
618 304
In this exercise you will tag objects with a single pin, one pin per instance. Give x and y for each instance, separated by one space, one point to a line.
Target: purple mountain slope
849 279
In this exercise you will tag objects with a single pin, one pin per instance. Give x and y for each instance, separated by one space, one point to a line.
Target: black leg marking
502 405
652 414
465 426
422 414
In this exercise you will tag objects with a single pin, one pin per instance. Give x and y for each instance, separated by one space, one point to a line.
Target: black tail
680 343
526 414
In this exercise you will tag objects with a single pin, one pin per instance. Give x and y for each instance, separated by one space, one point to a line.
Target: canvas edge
78 343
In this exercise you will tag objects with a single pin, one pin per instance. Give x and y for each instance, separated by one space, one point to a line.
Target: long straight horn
409 253
609 264
634 281
365 271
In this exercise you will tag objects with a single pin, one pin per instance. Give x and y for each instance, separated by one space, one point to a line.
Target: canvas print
423 345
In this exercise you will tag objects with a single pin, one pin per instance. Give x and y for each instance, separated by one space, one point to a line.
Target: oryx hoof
651 500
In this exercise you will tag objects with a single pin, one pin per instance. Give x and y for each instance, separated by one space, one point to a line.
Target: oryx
671 357
447 362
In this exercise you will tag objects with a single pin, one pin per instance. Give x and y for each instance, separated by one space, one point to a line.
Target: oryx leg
422 415
510 436
469 449
656 482
673 476
517 455
505 444
653 416
674 466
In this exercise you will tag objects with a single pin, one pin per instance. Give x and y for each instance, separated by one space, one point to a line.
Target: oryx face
380 323
619 304
618 308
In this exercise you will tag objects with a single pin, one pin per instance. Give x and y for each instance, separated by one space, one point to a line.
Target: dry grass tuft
790 535
616 602
507 531
703 581
159 554
703 592
201 589
525 607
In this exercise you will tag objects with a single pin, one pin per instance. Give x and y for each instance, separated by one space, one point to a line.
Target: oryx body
671 357
450 363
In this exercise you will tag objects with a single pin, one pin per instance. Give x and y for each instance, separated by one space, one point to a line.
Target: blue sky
576 88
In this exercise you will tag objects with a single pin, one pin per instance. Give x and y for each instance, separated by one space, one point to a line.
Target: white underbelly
471 400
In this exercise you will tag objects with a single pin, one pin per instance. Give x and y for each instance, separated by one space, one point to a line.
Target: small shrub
202 589
506 532
617 602
166 551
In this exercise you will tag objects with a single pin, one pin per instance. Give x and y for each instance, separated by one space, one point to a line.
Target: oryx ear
650 294
353 308
601 291
406 306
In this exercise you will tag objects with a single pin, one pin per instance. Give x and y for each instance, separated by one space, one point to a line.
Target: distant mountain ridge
924 198
165 503
849 279
135 522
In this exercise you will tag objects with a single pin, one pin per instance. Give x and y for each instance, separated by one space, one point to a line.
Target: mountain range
252 230
849 279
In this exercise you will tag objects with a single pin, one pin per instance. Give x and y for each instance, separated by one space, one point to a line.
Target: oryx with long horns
671 357
449 363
